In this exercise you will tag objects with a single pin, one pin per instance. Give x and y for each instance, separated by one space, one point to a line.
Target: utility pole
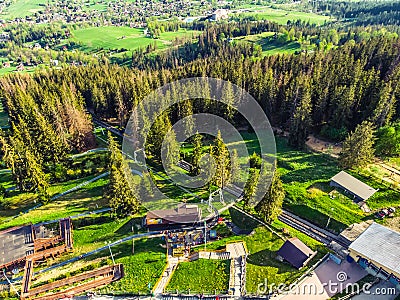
205 235
329 219
112 256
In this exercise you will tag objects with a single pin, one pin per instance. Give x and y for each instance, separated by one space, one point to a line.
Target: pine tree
120 191
171 148
197 152
301 119
221 156
250 187
388 140
146 189
235 167
271 204
358 148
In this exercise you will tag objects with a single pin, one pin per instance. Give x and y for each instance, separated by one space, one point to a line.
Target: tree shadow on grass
127 226
267 258
316 217
308 168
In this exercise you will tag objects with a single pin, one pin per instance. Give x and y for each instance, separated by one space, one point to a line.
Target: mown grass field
23 8
201 276
270 47
112 37
282 16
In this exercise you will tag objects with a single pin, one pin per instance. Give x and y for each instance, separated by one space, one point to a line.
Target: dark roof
295 252
182 214
381 245
15 243
353 185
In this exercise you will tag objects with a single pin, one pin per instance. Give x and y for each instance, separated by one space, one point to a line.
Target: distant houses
351 185
219 14
4 37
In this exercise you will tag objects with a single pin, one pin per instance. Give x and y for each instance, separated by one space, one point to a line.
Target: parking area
327 280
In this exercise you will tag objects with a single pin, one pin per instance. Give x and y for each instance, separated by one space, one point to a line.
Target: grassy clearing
88 198
385 197
141 269
23 8
270 47
200 276
282 16
111 37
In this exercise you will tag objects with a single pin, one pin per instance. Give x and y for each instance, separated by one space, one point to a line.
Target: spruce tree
271 204
197 152
235 166
301 119
358 148
172 149
221 156
250 187
120 190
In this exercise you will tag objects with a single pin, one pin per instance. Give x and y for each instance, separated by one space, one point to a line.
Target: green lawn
23 8
88 198
200 276
281 16
112 37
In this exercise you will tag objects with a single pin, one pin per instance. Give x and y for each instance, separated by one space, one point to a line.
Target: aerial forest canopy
328 92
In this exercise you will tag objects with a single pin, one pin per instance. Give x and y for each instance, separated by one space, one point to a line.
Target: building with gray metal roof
358 189
377 249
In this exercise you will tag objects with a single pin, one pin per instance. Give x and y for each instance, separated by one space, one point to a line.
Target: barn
351 185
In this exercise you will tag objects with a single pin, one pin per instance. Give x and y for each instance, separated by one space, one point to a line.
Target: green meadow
112 37
23 8
282 16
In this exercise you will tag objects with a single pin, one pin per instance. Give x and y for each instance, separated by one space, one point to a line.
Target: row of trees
47 123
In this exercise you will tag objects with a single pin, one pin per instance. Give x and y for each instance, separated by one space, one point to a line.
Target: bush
335 134
255 161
